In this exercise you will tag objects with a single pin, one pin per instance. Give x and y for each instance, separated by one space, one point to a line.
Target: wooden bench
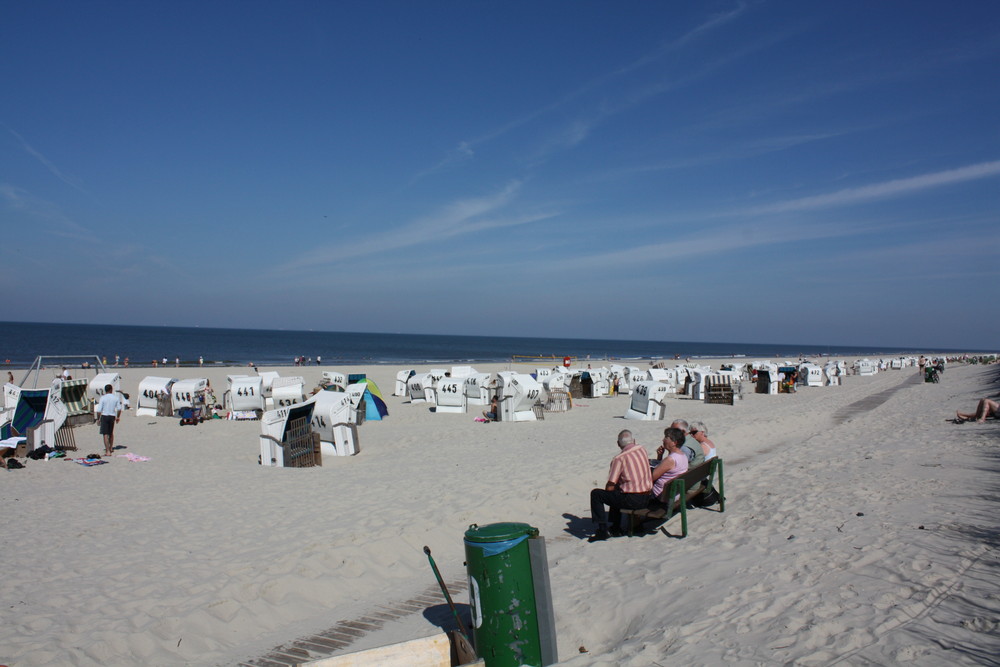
681 490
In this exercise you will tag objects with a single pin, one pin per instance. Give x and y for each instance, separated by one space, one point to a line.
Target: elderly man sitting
629 483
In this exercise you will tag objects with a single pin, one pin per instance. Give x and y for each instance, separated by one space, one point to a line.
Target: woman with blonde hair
698 431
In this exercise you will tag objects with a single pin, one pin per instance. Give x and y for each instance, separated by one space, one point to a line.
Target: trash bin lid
499 532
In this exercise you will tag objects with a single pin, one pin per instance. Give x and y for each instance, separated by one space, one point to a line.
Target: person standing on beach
628 487
110 409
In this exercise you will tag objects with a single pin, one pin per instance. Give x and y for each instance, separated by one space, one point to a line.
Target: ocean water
21 342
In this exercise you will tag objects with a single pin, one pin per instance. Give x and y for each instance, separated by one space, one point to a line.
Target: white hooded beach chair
244 396
268 377
188 395
518 394
768 378
659 375
696 388
477 389
334 379
402 378
286 391
449 395
35 414
286 438
558 380
648 401
600 382
420 388
154 393
635 376
810 375
333 419
865 367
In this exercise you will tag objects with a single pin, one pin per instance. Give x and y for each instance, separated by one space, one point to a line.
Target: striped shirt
630 470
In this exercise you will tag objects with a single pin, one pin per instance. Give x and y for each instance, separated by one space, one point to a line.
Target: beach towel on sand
90 462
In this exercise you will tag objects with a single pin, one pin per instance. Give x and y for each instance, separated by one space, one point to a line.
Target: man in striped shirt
629 483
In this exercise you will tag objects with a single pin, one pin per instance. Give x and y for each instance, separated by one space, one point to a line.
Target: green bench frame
682 489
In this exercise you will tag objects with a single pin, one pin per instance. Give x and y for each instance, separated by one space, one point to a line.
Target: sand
860 528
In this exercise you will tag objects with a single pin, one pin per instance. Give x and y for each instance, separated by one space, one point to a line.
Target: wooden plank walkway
330 642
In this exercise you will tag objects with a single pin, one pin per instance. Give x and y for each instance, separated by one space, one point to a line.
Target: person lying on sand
987 407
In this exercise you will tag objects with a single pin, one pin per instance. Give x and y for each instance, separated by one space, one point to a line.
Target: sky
759 172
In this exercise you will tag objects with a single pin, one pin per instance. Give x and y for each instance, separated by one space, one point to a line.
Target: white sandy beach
860 528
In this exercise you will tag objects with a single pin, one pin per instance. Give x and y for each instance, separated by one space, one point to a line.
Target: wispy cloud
58 222
461 217
883 190
53 169
579 129
729 153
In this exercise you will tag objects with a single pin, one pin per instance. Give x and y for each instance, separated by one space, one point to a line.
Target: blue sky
708 171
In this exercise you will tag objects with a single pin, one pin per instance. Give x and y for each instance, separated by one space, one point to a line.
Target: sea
22 342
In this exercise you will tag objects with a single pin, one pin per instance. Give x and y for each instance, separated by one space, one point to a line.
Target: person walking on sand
110 409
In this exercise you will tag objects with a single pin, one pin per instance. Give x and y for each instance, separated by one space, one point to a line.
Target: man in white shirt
110 410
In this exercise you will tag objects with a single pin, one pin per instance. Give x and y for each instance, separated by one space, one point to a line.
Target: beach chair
719 390
65 439
79 405
647 401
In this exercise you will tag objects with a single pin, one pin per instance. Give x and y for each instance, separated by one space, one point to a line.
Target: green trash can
509 594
